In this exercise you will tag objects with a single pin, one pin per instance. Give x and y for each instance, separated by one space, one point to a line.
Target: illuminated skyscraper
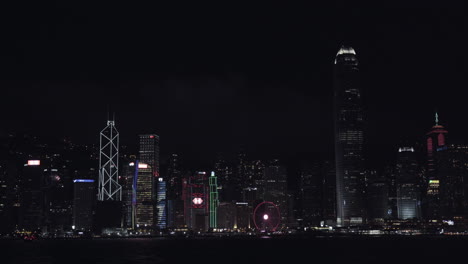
149 151
213 200
197 202
161 204
144 196
407 182
109 188
150 187
437 170
349 127
128 193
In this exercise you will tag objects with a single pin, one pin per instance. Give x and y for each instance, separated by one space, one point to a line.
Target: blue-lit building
161 214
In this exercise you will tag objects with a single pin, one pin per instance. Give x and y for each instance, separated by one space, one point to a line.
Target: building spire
436 119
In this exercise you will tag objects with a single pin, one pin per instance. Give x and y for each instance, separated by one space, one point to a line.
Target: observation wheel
267 216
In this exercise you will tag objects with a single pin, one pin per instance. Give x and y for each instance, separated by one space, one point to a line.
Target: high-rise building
32 196
225 174
175 199
253 184
197 202
128 191
437 171
109 188
144 196
458 154
377 197
311 194
84 196
8 192
276 188
149 154
161 214
349 126
109 204
329 193
213 200
57 200
408 184
149 151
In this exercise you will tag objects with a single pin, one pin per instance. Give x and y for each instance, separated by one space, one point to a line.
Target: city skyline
226 133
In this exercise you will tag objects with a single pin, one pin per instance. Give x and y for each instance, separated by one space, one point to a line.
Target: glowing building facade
109 188
437 171
161 214
196 191
349 127
150 186
408 185
144 196
213 200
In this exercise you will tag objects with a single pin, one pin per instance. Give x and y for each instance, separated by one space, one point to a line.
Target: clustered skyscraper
118 193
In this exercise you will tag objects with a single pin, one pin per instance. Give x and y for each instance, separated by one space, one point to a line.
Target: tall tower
407 184
213 200
349 127
437 171
151 183
109 188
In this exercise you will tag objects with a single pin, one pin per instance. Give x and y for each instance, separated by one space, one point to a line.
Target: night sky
230 77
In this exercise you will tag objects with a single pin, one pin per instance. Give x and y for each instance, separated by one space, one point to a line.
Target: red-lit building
196 193
437 169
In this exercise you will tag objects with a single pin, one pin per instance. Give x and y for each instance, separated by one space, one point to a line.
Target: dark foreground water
360 250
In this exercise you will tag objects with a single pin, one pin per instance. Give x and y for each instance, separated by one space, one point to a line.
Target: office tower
109 189
84 195
175 199
145 200
197 202
377 197
161 214
31 196
128 191
437 171
276 191
149 154
225 174
213 200
311 193
57 199
8 192
390 174
458 155
329 193
252 190
407 182
149 151
349 127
